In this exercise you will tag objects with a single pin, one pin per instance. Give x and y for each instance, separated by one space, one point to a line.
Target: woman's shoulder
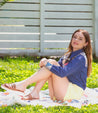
83 58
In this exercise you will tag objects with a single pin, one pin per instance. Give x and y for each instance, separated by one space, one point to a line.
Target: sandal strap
11 86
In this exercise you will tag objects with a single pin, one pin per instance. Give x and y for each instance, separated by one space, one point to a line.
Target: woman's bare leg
60 86
40 75
29 80
40 84
51 90
35 92
57 87
24 83
38 87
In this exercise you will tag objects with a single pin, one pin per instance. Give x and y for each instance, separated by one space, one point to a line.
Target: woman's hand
43 62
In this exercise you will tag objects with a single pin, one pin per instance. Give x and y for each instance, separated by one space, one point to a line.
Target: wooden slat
49 7
20 6
19 21
56 44
70 1
54 52
34 37
68 15
68 22
60 37
66 29
42 25
19 37
19 52
19 29
25 14
57 37
19 44
35 1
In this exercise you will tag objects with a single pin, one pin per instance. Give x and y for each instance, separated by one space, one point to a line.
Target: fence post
42 26
96 28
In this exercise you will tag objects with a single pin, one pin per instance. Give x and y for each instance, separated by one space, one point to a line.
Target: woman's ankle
35 94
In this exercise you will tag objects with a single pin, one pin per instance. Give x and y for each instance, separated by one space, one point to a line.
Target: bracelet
48 66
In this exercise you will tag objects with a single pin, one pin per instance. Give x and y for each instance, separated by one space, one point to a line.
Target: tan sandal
11 87
29 97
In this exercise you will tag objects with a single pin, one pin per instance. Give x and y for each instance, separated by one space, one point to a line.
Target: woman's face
78 41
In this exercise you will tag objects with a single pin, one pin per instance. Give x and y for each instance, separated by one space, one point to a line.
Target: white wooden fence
43 27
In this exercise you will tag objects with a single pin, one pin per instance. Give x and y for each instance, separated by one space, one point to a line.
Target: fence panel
43 27
20 27
62 18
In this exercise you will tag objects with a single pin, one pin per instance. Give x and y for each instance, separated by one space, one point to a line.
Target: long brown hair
87 49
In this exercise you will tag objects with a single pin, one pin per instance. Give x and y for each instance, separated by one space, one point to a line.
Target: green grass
17 69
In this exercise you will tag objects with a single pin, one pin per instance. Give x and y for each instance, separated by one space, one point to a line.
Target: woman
67 77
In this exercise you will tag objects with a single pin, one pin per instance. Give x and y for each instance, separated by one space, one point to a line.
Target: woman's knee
52 61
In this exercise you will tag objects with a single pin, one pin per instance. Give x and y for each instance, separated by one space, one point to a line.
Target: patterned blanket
7 98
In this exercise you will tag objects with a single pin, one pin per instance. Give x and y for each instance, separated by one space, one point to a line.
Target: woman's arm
72 67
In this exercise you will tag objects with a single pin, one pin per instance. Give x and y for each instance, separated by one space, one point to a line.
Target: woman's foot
30 97
14 87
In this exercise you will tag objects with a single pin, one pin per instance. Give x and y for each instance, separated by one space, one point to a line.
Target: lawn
19 68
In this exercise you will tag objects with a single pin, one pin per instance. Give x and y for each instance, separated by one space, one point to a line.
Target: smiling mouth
75 43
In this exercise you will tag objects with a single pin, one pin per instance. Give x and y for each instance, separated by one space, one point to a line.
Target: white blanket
11 97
